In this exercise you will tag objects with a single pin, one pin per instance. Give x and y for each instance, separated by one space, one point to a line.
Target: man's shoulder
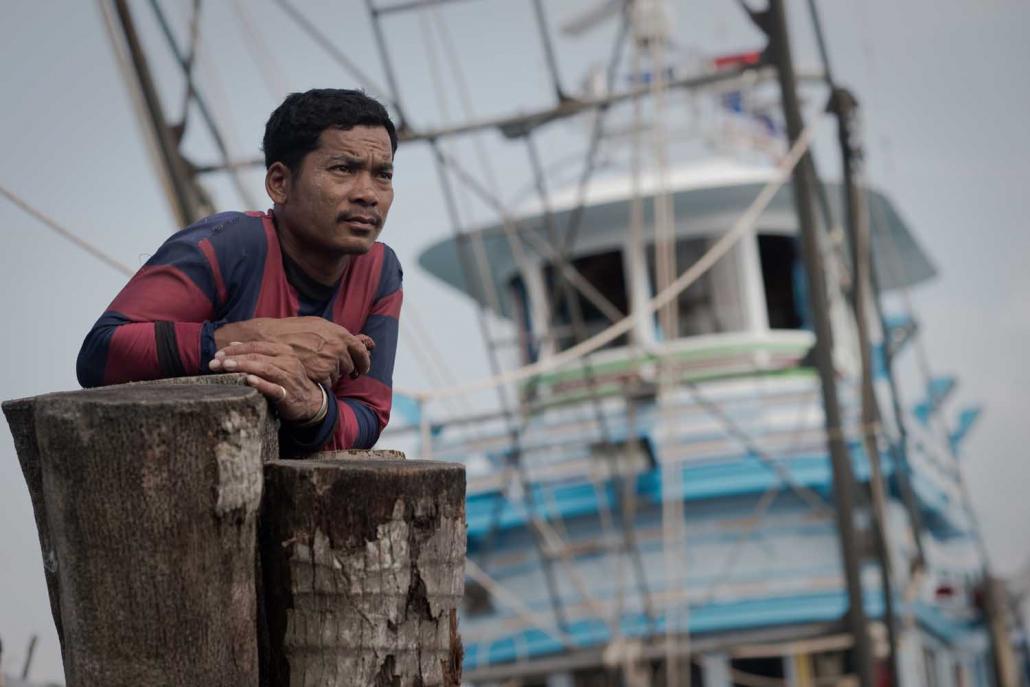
227 237
227 226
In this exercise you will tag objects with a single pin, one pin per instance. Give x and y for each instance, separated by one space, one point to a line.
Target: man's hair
293 128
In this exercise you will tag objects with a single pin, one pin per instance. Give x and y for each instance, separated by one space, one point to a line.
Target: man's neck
323 268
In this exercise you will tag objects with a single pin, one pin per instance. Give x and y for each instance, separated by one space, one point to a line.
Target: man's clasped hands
288 359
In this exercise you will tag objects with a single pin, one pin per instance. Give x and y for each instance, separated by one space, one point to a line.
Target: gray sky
945 96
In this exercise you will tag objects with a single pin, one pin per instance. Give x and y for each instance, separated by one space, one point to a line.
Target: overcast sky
946 101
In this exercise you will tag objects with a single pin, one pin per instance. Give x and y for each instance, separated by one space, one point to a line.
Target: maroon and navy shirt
227 268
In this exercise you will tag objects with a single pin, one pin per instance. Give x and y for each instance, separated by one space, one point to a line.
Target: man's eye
386 175
342 168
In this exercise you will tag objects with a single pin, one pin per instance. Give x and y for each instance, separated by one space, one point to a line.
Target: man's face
337 201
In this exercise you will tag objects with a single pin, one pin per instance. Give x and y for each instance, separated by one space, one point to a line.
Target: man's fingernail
219 354
229 364
252 380
235 343
215 364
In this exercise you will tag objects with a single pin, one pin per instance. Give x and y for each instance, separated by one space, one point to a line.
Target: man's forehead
359 140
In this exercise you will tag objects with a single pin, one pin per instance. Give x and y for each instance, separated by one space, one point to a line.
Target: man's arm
159 325
358 406
365 402
360 403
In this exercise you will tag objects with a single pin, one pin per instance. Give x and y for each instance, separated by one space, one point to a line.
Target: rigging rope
542 248
330 48
67 234
267 65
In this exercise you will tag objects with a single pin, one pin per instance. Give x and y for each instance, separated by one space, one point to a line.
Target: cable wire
67 234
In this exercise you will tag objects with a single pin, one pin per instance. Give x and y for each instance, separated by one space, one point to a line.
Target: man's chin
355 245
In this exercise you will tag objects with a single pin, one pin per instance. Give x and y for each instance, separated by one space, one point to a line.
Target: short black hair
293 128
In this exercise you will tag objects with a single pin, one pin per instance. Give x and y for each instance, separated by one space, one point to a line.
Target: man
296 298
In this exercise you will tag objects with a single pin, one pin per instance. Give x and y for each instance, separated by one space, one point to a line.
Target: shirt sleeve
364 403
160 324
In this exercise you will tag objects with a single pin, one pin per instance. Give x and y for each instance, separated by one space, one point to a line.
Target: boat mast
187 200
844 106
774 22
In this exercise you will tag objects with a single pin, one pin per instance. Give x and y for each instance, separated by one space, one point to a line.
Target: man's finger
369 342
360 356
270 390
265 366
235 362
262 347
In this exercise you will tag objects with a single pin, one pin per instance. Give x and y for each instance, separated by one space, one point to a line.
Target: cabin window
658 676
784 281
756 671
714 303
829 666
606 273
623 458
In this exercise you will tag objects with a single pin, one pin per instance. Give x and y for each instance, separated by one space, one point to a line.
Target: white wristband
322 411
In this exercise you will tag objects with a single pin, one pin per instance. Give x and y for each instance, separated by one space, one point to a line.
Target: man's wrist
320 415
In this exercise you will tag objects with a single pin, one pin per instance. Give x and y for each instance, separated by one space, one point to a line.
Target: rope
480 269
820 39
718 249
514 603
187 66
330 48
514 240
552 60
67 234
268 67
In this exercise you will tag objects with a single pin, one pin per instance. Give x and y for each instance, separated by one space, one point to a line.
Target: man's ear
277 182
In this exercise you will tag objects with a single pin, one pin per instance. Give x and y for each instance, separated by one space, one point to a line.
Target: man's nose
364 191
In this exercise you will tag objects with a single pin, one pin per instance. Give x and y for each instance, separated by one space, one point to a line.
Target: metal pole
186 199
384 56
843 481
844 106
27 666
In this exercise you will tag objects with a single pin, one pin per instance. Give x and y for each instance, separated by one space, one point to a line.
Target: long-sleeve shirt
228 268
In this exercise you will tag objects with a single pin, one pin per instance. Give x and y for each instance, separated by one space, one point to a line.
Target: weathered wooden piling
147 499
363 567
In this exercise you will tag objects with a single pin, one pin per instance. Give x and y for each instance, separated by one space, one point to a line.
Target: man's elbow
92 361
88 369
374 438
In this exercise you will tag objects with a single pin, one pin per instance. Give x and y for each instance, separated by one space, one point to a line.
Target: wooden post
146 498
363 565
21 418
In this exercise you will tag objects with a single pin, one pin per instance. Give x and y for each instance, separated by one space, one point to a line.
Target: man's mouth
362 224
370 221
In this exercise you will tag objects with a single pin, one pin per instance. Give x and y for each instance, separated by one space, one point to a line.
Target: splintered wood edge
358 454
